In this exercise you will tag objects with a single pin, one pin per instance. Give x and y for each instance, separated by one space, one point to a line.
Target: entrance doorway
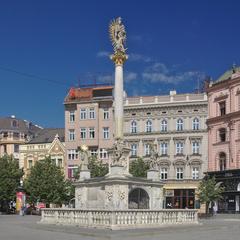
138 199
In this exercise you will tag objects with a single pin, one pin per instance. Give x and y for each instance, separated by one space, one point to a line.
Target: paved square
221 227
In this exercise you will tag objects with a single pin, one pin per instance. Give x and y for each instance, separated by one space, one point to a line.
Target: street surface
221 227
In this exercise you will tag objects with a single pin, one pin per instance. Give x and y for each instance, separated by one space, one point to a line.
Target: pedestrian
215 209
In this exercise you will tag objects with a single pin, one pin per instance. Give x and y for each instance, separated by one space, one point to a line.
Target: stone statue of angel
118 35
118 148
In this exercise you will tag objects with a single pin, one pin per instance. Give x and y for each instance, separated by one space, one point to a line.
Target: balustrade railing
119 219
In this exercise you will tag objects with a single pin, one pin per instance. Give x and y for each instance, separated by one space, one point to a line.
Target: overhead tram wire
34 76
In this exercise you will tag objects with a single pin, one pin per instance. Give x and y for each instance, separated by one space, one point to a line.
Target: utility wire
33 76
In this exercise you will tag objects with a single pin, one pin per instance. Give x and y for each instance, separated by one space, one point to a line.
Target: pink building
224 137
88 121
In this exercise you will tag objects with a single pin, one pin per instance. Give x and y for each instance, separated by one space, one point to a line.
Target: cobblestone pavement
221 227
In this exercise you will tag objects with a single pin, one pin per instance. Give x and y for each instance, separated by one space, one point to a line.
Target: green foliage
208 192
46 183
139 168
10 176
97 168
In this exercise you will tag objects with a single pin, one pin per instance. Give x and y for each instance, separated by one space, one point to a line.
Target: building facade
13 133
175 124
224 137
48 142
88 121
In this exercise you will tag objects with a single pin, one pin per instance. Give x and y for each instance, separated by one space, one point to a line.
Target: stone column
118 59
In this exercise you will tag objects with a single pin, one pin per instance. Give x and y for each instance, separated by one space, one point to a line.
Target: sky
47 47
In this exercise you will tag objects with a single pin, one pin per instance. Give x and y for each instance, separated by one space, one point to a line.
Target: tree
97 168
46 183
139 168
10 176
209 192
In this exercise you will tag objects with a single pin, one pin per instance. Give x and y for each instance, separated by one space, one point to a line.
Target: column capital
119 58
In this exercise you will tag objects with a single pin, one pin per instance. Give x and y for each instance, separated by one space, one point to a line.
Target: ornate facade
48 142
224 136
175 124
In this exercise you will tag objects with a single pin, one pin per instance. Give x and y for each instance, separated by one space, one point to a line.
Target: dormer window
14 123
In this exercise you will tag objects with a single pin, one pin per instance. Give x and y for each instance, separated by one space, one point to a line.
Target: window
106 133
195 173
149 126
83 113
72 171
222 161
106 113
179 124
195 147
133 149
5 148
72 116
146 149
71 134
72 154
195 124
92 113
83 133
163 148
222 108
164 125
30 163
16 148
222 134
14 123
163 173
103 153
179 148
179 173
133 127
91 133
93 151
59 162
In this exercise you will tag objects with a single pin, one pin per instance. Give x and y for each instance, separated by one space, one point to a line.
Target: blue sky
171 44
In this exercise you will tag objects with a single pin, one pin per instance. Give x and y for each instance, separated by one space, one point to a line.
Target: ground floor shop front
181 195
230 180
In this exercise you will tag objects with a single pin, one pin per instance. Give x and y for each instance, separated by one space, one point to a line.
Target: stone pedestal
84 174
153 175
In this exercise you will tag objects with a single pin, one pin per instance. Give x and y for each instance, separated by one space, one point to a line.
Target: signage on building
169 193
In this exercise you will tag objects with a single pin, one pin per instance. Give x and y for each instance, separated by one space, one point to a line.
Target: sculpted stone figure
83 151
153 157
118 35
118 153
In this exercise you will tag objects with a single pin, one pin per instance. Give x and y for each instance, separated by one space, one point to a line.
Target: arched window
164 125
133 127
222 161
149 126
138 199
179 124
195 124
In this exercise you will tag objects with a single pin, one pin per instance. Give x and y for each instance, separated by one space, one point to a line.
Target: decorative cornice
226 117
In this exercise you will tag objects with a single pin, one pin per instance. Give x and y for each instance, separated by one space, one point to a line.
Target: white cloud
103 54
139 57
159 72
105 78
130 76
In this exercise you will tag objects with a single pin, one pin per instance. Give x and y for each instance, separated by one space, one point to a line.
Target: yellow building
48 142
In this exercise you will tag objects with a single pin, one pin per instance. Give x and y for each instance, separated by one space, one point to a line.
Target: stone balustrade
122 219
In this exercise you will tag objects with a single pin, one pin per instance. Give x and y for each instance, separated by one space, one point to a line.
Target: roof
47 135
88 93
227 75
18 125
